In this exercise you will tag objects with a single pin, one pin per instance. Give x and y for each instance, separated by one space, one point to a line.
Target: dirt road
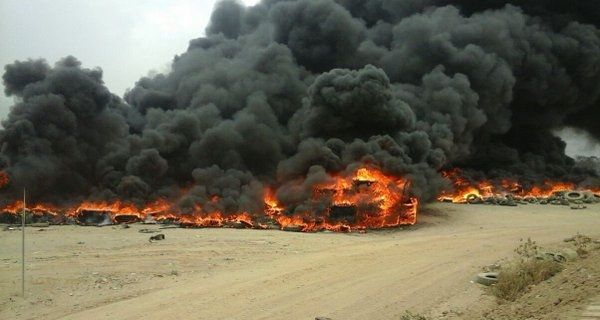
114 273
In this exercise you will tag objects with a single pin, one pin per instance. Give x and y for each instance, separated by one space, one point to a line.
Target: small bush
515 279
581 242
524 272
527 249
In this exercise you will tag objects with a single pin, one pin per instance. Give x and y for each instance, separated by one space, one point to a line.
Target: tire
588 197
560 258
487 278
546 256
473 198
568 254
574 196
507 202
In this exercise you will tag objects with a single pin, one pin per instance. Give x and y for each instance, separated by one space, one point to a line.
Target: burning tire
473 199
487 278
93 218
127 218
574 196
9 218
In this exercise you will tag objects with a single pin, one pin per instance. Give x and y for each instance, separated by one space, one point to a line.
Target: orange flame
463 187
367 198
371 198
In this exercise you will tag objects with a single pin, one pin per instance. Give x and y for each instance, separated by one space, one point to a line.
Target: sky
128 39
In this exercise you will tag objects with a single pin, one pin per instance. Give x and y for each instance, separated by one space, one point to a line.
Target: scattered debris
412 316
293 227
237 224
170 226
561 256
148 230
127 218
487 278
581 243
39 225
568 254
578 206
157 237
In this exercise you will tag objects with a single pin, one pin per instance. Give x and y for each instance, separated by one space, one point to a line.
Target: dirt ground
78 272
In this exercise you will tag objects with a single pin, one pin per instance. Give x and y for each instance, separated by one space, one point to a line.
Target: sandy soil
571 294
114 273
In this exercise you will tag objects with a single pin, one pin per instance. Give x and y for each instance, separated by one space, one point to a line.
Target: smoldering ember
319 114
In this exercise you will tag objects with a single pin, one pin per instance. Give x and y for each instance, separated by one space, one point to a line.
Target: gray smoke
287 93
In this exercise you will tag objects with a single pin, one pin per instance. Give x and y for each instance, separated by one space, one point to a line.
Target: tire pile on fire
573 198
362 200
512 192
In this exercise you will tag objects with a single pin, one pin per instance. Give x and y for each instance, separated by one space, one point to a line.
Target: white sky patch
579 143
127 39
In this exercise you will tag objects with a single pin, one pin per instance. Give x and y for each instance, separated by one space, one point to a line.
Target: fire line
365 199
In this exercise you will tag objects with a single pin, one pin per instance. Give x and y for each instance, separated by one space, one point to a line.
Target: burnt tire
473 198
574 196
568 254
588 197
487 278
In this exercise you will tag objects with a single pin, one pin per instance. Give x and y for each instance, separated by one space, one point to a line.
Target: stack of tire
565 198
581 197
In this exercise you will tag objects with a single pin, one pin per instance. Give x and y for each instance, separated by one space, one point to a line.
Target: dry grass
412 316
581 243
515 279
527 270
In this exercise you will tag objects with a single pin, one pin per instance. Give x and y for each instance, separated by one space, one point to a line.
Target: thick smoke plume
286 93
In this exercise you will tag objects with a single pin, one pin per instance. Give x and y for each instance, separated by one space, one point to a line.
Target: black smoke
284 94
